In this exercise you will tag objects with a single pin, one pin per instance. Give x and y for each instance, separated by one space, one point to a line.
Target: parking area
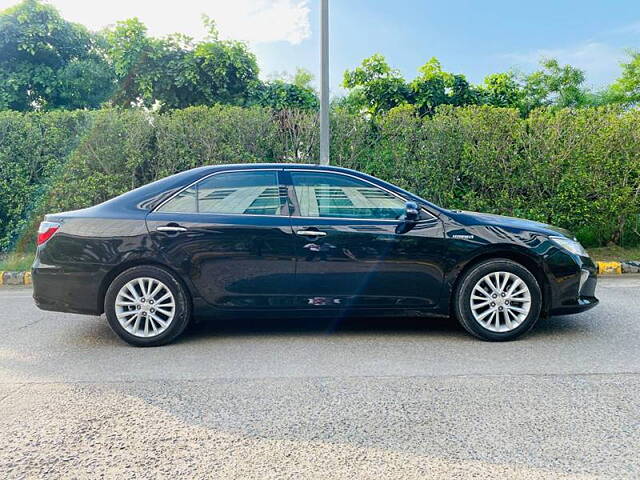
357 398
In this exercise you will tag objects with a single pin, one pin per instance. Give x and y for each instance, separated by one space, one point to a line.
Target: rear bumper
60 290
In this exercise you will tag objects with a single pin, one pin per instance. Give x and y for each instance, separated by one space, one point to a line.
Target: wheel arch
122 267
526 260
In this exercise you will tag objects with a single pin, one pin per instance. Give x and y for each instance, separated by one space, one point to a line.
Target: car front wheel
147 306
498 300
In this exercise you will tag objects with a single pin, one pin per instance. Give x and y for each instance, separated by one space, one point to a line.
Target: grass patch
614 254
15 262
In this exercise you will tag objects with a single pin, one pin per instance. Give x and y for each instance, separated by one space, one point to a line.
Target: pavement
356 399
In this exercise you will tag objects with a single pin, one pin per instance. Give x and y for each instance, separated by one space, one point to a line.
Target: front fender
468 246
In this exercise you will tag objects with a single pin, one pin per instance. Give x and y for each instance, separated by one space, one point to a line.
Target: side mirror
411 212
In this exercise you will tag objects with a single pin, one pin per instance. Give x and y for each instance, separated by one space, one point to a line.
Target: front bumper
582 305
580 293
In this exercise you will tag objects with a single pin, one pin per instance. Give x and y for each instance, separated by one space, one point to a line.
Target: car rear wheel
498 300
147 306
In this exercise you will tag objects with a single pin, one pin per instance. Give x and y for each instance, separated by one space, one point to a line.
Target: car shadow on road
390 326
575 325
329 326
98 333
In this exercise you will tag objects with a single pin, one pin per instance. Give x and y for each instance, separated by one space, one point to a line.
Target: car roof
250 166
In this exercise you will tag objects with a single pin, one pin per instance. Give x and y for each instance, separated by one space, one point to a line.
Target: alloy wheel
145 307
500 301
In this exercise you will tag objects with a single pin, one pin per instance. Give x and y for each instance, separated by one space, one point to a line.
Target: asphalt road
311 399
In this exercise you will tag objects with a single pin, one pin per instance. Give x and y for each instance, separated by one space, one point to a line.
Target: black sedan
277 239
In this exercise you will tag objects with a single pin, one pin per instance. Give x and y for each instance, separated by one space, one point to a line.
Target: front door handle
311 233
171 229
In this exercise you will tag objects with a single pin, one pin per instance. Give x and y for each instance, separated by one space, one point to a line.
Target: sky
475 38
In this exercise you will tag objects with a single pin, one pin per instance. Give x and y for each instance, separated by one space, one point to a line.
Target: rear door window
246 192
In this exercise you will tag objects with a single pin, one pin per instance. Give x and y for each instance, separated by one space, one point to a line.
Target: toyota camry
301 240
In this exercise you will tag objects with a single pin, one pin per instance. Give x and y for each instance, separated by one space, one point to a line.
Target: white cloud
601 62
264 20
254 21
633 28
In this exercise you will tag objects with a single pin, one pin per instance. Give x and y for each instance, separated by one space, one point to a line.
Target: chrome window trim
293 170
224 214
155 210
289 170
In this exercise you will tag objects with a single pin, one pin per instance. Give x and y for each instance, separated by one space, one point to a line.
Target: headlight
572 246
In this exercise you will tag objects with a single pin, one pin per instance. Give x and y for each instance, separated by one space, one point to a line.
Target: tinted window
184 202
334 195
247 192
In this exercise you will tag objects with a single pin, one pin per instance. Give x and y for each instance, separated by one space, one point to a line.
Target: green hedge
578 169
33 149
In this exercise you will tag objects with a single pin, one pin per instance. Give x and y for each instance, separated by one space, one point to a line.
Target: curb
618 268
15 278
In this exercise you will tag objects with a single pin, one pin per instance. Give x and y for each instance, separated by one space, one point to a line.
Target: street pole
324 82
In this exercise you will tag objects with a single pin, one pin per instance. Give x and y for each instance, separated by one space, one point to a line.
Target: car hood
477 218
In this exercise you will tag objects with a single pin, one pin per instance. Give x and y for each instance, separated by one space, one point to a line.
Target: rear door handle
311 233
171 229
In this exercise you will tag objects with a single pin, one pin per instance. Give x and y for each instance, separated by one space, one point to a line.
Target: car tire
508 313
129 306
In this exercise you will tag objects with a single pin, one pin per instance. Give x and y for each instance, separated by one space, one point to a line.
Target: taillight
46 231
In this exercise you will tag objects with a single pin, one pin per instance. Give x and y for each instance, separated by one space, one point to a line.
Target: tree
47 62
462 92
503 90
554 85
430 87
376 88
178 72
303 78
280 95
131 53
379 87
226 71
353 103
626 89
284 91
434 87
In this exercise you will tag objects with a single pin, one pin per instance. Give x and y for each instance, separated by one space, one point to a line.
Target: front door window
327 195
